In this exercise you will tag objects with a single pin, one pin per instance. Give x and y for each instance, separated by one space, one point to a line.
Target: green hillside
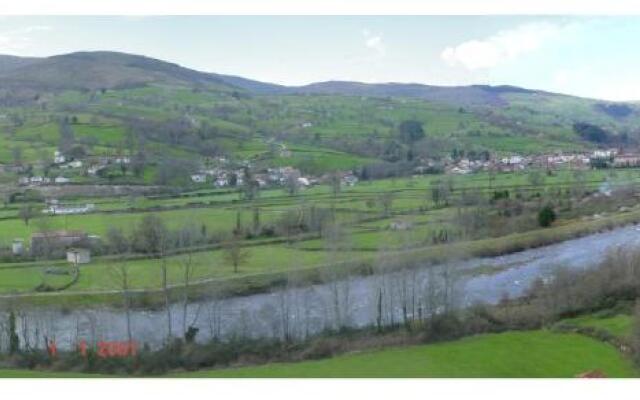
116 100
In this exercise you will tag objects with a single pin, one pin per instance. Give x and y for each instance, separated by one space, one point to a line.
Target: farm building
17 247
626 160
78 256
56 242
57 209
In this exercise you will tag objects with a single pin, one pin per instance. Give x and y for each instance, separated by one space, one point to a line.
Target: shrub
546 216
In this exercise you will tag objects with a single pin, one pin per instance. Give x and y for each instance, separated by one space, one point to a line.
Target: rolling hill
112 70
99 70
180 111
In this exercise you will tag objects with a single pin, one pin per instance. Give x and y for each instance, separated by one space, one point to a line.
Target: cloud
502 47
17 40
626 90
374 42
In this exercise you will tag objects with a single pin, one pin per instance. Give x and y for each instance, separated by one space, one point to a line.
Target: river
354 302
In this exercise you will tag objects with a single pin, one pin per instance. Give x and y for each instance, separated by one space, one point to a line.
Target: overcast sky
592 57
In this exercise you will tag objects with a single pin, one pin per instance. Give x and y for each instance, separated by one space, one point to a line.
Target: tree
536 178
117 241
292 185
26 213
234 253
121 276
14 340
138 163
187 238
250 186
150 236
337 274
546 216
16 154
77 152
173 171
67 137
335 183
441 191
386 201
256 221
411 131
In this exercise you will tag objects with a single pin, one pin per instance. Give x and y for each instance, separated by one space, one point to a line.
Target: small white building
349 180
17 247
58 157
78 256
62 179
302 181
221 182
94 169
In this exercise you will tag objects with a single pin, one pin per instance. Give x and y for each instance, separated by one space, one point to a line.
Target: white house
513 160
93 170
58 157
17 247
303 181
39 179
349 180
62 179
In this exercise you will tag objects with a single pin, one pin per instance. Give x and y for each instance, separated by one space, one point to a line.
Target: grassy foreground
536 354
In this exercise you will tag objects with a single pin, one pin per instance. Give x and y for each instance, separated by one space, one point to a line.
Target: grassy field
533 354
537 354
619 325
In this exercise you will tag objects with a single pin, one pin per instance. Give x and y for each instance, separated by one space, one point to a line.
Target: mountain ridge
93 70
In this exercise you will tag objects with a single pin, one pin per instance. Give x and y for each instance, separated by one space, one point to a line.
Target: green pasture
535 354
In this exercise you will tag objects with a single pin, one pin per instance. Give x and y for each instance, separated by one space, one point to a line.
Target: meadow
365 220
532 354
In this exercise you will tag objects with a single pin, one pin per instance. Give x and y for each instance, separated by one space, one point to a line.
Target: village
222 173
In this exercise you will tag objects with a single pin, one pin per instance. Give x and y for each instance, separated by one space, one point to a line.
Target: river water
354 302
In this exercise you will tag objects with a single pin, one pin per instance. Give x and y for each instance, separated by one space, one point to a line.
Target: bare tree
26 213
120 273
337 273
188 271
336 184
234 253
386 201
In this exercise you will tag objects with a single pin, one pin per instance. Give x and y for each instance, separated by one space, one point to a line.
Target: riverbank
365 265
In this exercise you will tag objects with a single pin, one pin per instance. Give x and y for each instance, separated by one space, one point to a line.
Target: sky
585 56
